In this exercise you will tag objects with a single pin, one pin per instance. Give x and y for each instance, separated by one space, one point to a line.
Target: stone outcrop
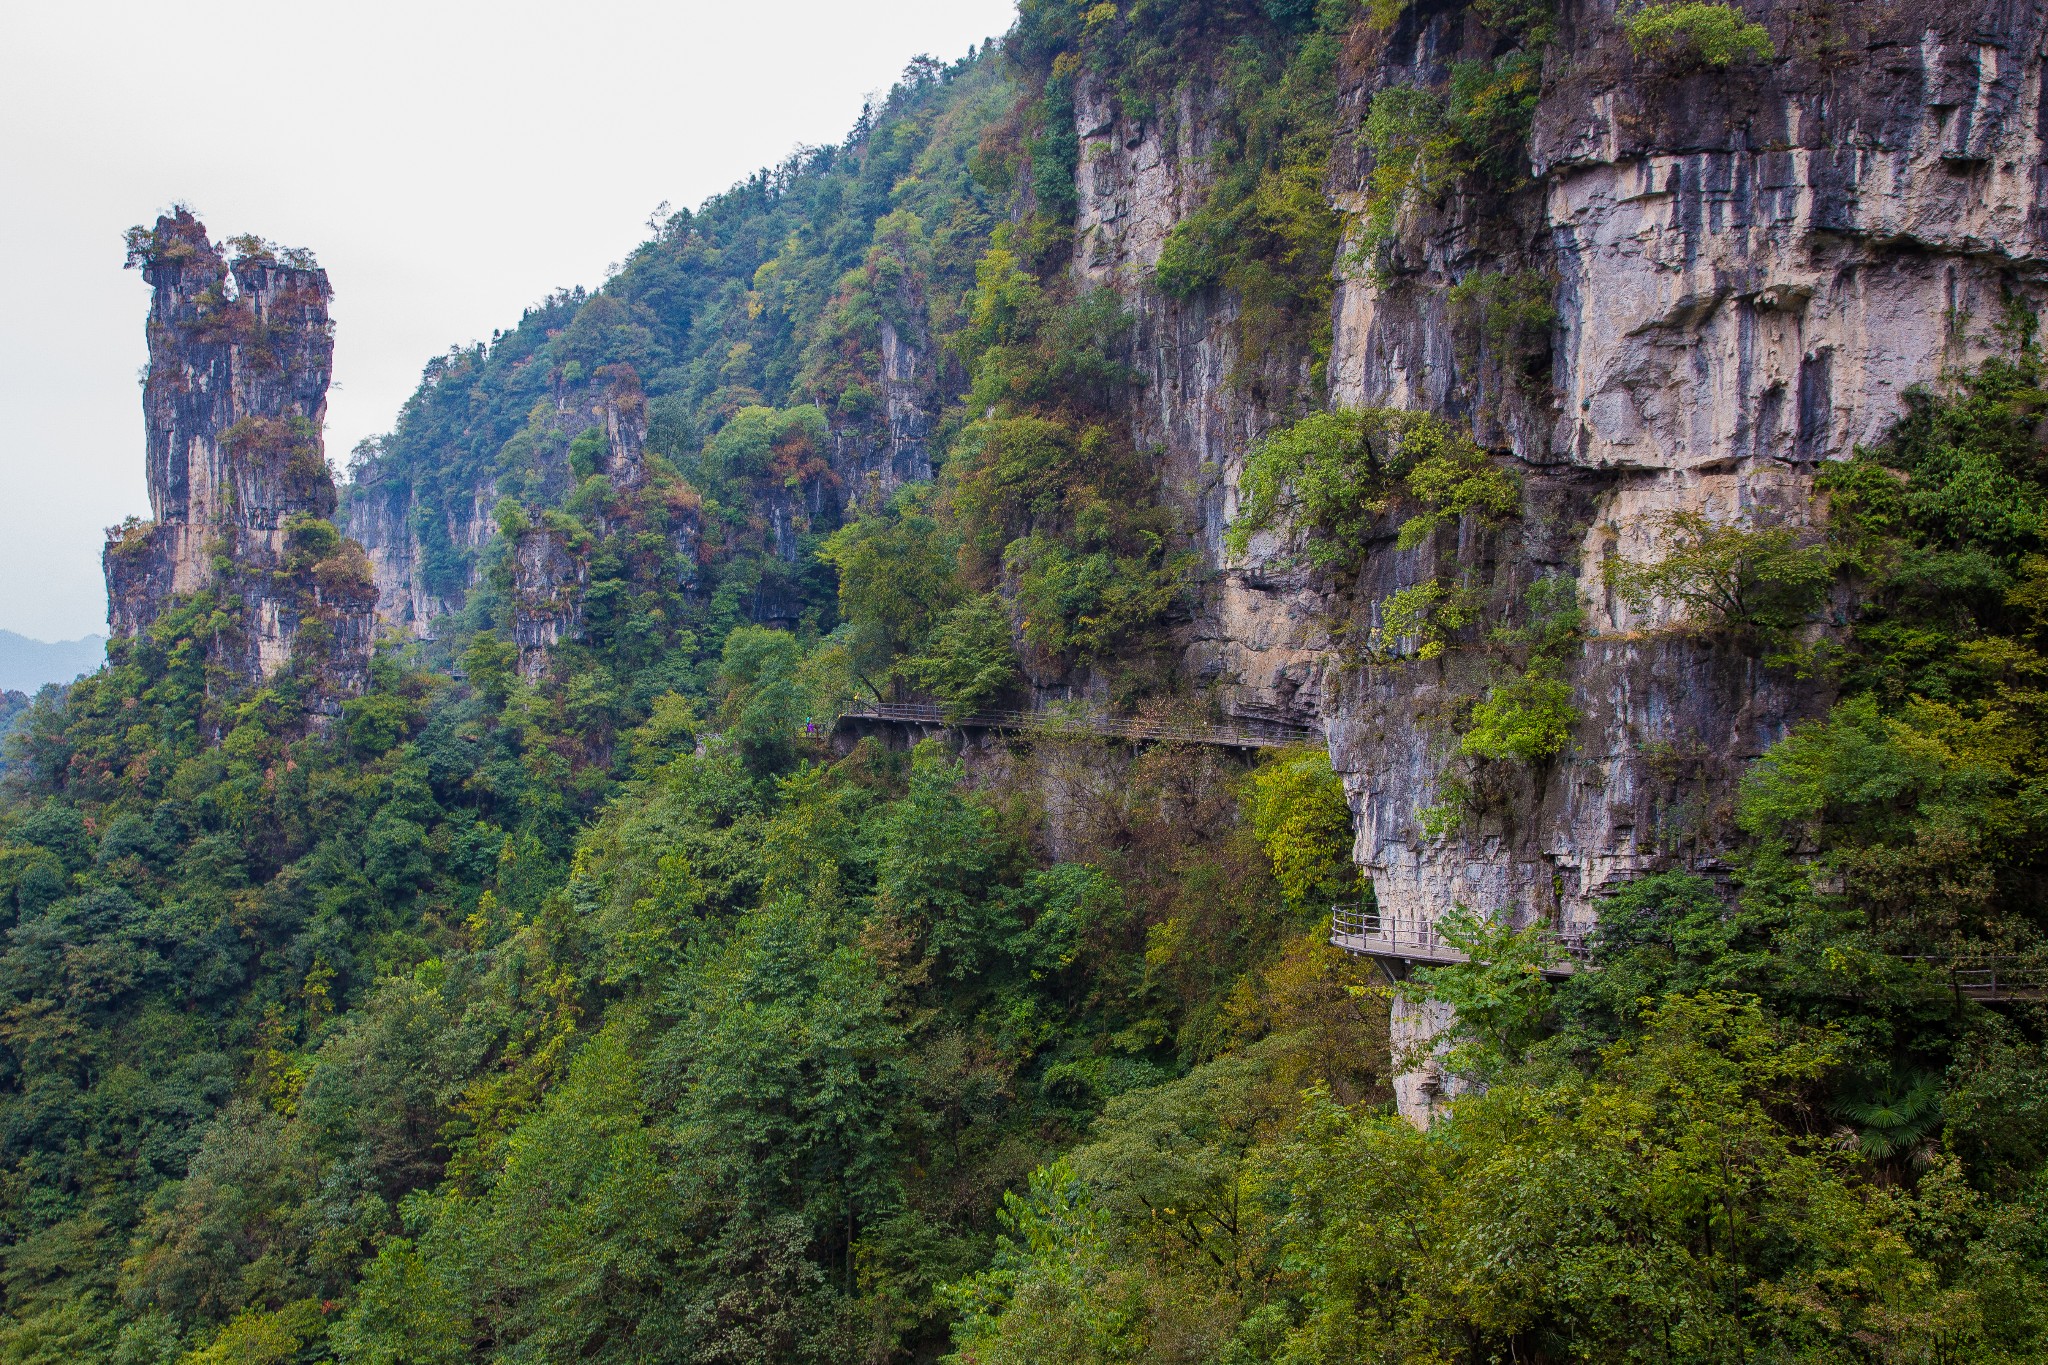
613 407
382 515
240 353
547 597
870 457
871 460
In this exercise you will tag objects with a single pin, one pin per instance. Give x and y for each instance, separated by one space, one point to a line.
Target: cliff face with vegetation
240 353
1618 435
1747 268
1684 287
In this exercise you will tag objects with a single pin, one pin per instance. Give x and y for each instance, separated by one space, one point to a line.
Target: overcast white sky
449 162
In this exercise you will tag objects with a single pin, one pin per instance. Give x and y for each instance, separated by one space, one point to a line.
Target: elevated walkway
1400 943
1242 732
1991 979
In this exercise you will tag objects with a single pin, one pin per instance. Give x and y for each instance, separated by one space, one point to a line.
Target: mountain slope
1641 496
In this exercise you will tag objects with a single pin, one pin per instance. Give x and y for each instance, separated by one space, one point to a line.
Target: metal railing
1370 932
1993 977
1246 733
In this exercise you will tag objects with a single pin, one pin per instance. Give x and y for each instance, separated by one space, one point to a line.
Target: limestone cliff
547 585
1749 267
240 353
1752 266
383 515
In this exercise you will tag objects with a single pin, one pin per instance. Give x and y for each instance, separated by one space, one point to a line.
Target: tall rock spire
240 353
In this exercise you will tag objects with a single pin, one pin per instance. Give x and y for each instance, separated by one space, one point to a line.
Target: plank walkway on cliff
1243 732
1414 941
1403 942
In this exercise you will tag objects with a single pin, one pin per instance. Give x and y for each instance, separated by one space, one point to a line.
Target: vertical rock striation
382 515
548 576
240 353
1260 634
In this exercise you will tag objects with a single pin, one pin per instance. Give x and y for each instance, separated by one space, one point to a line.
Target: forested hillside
579 987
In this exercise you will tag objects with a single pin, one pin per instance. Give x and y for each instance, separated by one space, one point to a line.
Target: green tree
1302 818
1768 581
1333 477
897 579
762 709
968 661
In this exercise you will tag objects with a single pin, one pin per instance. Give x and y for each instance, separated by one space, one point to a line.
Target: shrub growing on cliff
1425 613
1414 153
1760 581
1511 314
1332 477
967 662
1450 476
1529 719
1696 34
1474 129
1529 716
1267 232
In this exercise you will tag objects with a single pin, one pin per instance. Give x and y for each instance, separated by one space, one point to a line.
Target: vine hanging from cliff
1332 479
1470 131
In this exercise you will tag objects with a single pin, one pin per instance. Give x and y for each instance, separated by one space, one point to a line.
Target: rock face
1261 630
873 460
1750 267
547 597
240 352
381 517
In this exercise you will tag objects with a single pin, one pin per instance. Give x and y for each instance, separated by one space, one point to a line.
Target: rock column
240 354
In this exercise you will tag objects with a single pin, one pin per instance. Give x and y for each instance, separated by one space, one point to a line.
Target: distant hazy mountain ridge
26 664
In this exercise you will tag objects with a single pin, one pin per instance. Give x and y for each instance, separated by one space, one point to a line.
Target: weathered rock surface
547 597
871 460
1750 266
240 353
383 515
1261 633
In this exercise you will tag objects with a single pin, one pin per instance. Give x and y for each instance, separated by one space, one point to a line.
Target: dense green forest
618 1013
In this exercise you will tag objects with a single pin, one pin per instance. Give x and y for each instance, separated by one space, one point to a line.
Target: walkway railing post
1259 734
